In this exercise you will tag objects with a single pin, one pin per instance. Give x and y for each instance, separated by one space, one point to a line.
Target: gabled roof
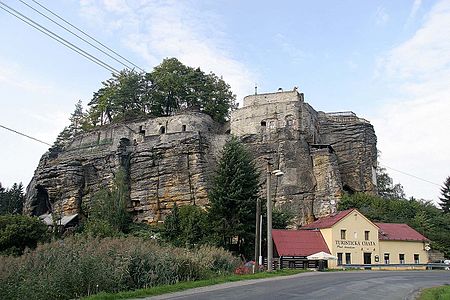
298 242
329 221
398 232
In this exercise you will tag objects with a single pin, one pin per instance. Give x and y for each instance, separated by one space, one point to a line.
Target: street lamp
277 173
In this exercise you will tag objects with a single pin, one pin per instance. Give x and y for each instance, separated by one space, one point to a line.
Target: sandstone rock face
171 160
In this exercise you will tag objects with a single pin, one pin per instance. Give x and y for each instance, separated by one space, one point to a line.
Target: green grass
181 286
436 293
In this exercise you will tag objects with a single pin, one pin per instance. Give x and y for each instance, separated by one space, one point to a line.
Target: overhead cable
56 37
25 135
89 36
414 176
78 36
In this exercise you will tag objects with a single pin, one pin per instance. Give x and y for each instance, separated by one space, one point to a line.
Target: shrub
18 232
80 266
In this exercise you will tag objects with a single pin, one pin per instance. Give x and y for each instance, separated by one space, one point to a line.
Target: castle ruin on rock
172 159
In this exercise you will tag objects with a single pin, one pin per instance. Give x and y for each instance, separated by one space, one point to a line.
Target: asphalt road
355 285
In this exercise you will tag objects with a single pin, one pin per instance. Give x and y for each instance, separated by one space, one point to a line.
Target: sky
387 61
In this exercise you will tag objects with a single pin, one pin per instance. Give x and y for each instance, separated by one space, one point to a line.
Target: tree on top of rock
445 199
171 86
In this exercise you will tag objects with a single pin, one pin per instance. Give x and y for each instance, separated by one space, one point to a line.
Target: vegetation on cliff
171 86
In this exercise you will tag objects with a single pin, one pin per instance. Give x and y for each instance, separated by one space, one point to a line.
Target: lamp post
269 215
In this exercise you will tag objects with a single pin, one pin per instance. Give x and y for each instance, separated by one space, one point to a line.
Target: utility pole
269 219
277 173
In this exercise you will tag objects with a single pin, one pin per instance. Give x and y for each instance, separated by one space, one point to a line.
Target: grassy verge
436 293
181 286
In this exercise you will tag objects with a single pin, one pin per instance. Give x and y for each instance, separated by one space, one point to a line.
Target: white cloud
413 129
412 14
381 16
160 29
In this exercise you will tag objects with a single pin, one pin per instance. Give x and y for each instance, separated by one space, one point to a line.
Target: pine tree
11 200
445 199
233 199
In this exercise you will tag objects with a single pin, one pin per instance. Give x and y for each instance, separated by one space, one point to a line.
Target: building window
416 258
401 258
366 235
343 234
339 260
386 258
348 258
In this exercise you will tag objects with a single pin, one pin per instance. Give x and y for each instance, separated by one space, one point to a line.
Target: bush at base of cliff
18 232
81 266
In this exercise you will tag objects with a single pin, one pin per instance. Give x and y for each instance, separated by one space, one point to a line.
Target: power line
81 38
89 36
25 135
57 38
414 176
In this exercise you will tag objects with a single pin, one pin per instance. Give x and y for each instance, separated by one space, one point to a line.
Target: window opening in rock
228 131
263 123
162 130
141 130
183 128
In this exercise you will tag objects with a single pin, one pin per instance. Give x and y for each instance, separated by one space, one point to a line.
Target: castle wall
280 97
172 159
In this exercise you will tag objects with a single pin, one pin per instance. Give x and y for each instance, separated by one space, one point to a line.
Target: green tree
78 123
233 199
171 86
107 214
280 219
177 86
172 226
186 226
18 232
386 188
445 199
11 200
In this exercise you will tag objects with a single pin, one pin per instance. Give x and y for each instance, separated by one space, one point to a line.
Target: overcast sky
388 61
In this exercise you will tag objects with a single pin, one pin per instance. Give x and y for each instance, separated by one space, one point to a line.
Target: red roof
298 242
398 232
329 221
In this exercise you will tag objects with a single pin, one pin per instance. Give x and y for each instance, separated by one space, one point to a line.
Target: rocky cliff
172 159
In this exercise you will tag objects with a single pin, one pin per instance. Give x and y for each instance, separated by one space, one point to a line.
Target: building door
367 259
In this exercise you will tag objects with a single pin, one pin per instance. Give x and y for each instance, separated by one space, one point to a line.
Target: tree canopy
11 199
386 188
171 86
